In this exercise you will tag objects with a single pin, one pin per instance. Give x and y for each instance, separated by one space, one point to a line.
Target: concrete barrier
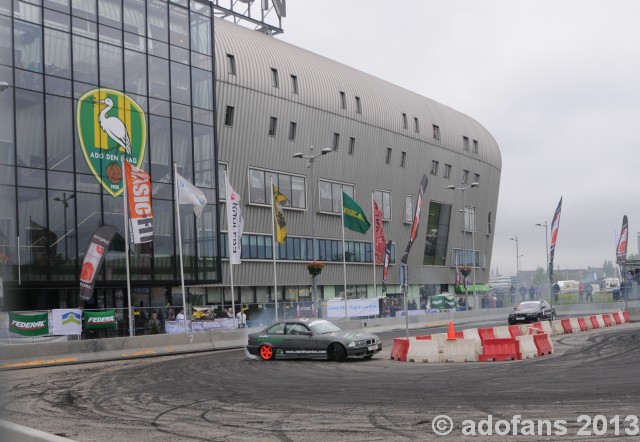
459 350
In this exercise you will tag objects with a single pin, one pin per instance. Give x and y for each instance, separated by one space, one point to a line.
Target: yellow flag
280 223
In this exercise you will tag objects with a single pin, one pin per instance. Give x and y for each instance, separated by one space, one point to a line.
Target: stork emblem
110 125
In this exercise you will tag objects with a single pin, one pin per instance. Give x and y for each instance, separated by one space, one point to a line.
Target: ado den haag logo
110 125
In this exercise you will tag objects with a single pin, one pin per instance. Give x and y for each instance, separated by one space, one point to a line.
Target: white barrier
546 327
459 350
587 320
557 328
601 323
575 326
501 332
527 346
621 315
423 350
472 333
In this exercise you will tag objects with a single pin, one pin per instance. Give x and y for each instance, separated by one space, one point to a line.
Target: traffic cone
452 333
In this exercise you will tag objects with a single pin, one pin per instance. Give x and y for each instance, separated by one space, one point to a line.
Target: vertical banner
94 258
387 260
280 223
29 325
416 218
378 227
555 225
621 250
138 185
235 224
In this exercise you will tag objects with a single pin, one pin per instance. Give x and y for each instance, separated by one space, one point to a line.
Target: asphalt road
229 396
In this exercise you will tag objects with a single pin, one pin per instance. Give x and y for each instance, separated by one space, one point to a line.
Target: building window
447 171
466 257
231 64
294 84
383 198
352 145
465 140
475 146
436 242
274 78
358 106
434 167
292 130
403 159
343 100
404 121
273 125
416 125
291 186
436 132
388 158
408 209
336 141
222 187
489 227
465 176
331 195
228 116
476 177
470 219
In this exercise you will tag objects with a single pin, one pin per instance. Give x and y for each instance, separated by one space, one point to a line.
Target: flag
94 258
235 224
387 261
190 194
457 273
138 185
280 223
555 224
416 218
621 250
378 230
354 217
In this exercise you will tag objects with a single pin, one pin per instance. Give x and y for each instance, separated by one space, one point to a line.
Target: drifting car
311 338
531 311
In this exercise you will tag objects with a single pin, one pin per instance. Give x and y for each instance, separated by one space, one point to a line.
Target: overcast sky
557 83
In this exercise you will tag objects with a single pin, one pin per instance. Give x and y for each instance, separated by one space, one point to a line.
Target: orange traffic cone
452 333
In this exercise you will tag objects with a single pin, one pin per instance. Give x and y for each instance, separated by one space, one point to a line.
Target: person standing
512 294
556 290
154 324
523 293
242 318
589 291
532 293
580 292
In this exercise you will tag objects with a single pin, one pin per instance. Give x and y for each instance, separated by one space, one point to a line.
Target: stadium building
217 99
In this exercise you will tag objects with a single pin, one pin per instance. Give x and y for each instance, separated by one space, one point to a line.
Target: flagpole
344 254
184 299
373 247
273 248
126 243
233 297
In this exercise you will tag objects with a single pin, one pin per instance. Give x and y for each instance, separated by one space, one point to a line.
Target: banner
621 250
104 319
66 321
387 260
356 307
29 325
93 259
354 217
235 224
378 233
190 194
555 225
416 218
138 185
281 224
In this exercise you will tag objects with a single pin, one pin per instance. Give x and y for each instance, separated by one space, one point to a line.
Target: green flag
354 218
29 325
102 319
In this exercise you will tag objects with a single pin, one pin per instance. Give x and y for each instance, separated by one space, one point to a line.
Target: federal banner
66 321
96 320
93 259
29 325
138 184
416 219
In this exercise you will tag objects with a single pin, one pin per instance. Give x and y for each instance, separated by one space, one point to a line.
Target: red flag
621 250
555 225
139 204
380 243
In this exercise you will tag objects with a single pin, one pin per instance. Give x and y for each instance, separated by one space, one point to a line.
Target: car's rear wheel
266 352
336 352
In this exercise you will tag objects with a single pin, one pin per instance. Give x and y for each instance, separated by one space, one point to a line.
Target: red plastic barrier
423 338
543 344
515 330
616 317
400 349
460 334
538 325
486 333
626 316
607 320
583 324
566 325
594 321
499 349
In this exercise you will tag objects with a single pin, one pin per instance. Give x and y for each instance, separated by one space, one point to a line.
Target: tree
539 277
608 269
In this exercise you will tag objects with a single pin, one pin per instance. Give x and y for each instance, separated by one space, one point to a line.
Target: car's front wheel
267 353
337 352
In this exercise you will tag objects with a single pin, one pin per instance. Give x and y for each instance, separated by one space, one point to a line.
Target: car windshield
528 305
322 327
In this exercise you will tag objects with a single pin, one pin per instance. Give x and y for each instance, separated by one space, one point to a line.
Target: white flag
190 194
235 224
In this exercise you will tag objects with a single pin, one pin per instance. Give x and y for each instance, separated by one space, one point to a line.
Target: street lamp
3 85
310 161
546 242
517 258
462 188
65 204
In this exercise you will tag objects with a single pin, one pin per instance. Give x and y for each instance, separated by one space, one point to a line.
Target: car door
302 340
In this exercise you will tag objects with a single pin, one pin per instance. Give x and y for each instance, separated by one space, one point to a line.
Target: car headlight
357 343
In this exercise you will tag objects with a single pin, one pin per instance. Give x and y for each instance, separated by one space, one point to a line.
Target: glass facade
158 55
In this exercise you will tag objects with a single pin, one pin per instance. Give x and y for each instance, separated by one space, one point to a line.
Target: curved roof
321 80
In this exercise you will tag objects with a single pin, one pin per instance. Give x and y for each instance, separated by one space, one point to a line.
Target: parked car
312 338
531 311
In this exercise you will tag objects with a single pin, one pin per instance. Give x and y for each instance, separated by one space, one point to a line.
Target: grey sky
557 83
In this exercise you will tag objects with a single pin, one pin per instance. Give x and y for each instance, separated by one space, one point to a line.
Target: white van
609 284
570 286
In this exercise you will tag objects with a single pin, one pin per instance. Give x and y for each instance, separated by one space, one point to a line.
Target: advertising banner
138 185
95 320
93 259
355 307
29 325
416 218
66 321
235 224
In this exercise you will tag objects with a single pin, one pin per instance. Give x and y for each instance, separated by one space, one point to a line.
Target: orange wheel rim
266 352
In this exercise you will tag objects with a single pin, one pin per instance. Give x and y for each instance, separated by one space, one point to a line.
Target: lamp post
546 243
310 161
3 85
65 204
462 188
517 258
